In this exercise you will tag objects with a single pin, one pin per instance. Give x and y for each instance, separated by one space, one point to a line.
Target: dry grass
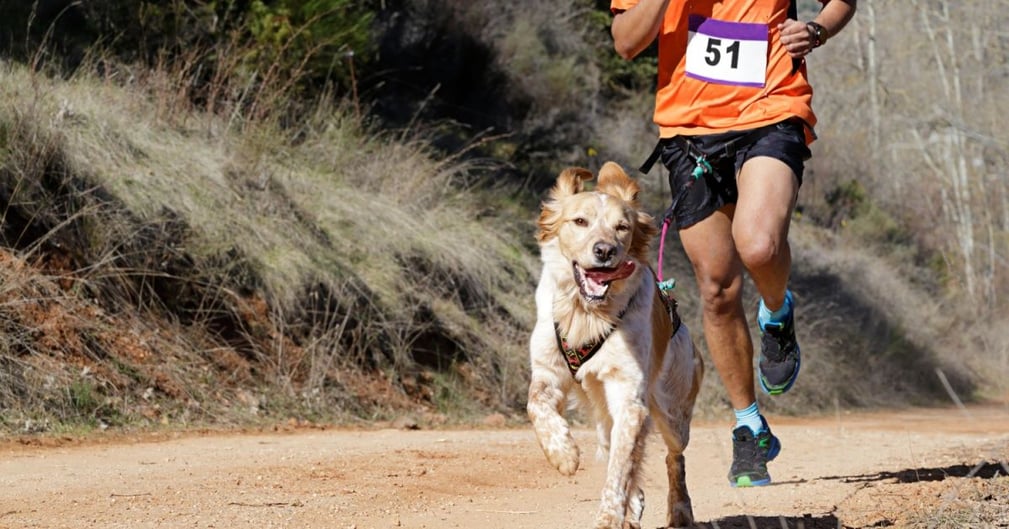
870 338
69 363
341 251
981 503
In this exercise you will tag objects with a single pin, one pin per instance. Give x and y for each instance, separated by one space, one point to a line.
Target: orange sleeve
617 6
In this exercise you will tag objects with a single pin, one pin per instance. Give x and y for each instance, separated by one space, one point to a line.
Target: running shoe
780 357
750 454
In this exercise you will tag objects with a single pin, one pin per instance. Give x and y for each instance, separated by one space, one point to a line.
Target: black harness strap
652 158
793 13
724 151
671 304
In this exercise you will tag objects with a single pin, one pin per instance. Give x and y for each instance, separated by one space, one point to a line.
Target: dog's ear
614 181
570 182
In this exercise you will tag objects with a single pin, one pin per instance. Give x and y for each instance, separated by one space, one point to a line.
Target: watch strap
818 32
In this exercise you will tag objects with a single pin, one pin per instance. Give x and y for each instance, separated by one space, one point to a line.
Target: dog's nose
604 251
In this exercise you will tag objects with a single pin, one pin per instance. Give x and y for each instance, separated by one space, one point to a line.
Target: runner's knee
719 298
758 251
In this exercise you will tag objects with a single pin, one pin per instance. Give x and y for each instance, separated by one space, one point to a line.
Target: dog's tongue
605 275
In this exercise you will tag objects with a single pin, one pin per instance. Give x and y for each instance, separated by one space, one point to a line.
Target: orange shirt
722 67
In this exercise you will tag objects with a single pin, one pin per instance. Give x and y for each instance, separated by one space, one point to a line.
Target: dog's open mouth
594 283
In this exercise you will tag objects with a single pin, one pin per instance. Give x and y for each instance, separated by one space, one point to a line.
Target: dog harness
576 357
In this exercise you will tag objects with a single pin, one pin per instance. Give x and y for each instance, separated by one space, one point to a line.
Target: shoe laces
748 453
778 343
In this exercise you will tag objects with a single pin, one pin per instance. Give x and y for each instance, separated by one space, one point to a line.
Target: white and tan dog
605 332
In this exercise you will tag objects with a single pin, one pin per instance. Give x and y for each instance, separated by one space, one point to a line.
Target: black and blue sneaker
780 357
750 454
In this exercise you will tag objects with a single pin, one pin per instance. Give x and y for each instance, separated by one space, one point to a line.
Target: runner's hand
796 38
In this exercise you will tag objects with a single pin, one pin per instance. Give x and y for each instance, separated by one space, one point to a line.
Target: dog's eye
580 221
622 227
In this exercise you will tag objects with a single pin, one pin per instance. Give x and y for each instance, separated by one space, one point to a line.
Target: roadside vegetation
234 213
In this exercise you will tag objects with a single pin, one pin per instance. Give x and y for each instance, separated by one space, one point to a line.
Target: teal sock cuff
749 417
765 315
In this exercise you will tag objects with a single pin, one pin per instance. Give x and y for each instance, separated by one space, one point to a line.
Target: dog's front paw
607 520
564 456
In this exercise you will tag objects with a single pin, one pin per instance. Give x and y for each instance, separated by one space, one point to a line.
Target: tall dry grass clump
340 269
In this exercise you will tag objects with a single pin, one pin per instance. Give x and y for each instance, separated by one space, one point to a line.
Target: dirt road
871 470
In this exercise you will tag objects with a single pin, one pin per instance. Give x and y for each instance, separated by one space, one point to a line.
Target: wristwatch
818 33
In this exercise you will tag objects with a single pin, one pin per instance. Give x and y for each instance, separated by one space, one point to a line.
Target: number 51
713 54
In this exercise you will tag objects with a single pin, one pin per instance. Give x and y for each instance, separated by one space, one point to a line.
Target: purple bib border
723 81
728 30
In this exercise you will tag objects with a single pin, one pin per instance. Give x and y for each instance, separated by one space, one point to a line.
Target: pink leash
668 284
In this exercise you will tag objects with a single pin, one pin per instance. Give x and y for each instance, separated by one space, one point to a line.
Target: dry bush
911 118
69 363
341 252
859 349
526 74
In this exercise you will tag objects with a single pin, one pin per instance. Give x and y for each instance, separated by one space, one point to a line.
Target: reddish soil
904 469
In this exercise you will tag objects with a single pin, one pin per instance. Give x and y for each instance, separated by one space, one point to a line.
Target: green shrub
315 42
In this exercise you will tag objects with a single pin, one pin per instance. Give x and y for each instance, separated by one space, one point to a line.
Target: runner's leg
767 193
719 274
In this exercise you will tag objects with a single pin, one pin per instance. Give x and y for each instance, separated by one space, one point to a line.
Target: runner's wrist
817 33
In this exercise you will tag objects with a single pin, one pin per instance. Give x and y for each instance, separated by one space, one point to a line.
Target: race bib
733 53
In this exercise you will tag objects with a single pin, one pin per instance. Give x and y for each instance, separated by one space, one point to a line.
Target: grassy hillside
325 275
170 261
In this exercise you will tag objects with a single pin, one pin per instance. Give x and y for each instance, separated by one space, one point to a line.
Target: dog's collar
575 358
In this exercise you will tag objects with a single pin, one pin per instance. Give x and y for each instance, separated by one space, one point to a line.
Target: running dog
607 336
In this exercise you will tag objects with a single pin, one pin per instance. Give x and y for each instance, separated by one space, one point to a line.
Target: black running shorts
695 199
